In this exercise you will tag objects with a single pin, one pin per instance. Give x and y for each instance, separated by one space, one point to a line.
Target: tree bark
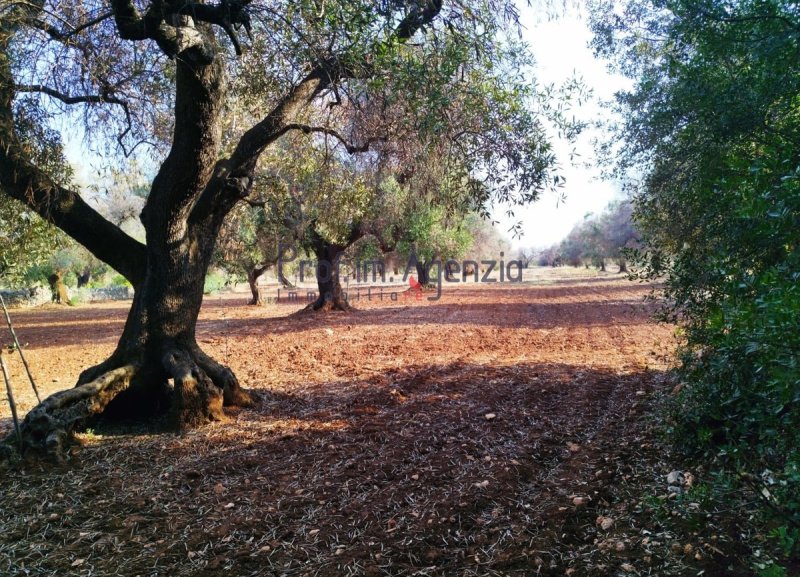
253 274
60 295
424 272
331 297
285 282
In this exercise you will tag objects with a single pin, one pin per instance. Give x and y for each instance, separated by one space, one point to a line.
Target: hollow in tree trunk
623 265
84 278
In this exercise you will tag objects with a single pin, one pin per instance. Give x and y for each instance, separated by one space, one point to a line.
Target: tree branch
324 74
226 189
69 212
177 39
27 183
351 148
104 98
61 35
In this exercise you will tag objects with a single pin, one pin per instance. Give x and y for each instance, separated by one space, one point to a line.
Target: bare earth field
488 433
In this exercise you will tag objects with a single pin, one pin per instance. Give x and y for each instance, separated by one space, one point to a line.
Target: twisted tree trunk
285 282
253 274
157 366
331 297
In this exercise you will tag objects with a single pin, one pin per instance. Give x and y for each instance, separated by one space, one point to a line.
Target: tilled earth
502 430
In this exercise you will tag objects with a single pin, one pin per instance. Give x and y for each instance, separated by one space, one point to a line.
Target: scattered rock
580 501
675 478
490 416
483 484
605 523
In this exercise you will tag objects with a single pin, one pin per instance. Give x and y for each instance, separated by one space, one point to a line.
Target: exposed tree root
224 378
201 387
48 428
197 400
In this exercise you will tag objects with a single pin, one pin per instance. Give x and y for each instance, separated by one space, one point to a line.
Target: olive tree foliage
156 77
466 135
713 126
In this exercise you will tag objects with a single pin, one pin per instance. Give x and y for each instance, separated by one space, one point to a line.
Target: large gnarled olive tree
160 71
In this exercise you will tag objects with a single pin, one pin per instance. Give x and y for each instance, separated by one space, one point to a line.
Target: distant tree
608 235
248 245
527 255
619 232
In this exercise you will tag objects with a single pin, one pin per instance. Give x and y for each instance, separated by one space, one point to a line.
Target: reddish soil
481 434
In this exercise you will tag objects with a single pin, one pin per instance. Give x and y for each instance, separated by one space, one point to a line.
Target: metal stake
11 400
19 348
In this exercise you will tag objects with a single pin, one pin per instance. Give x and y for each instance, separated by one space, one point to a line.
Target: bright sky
561 50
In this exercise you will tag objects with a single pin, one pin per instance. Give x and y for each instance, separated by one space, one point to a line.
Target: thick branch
325 74
177 39
69 212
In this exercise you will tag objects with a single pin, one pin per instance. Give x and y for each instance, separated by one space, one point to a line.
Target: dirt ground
501 430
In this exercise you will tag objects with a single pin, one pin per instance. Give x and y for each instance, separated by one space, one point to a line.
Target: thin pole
11 400
19 348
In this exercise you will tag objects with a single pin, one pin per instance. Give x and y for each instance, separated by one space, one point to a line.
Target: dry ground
482 434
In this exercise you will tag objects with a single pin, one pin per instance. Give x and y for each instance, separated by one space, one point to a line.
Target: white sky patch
561 49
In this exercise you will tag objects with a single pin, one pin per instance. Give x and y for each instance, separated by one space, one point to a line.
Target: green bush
215 282
117 280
